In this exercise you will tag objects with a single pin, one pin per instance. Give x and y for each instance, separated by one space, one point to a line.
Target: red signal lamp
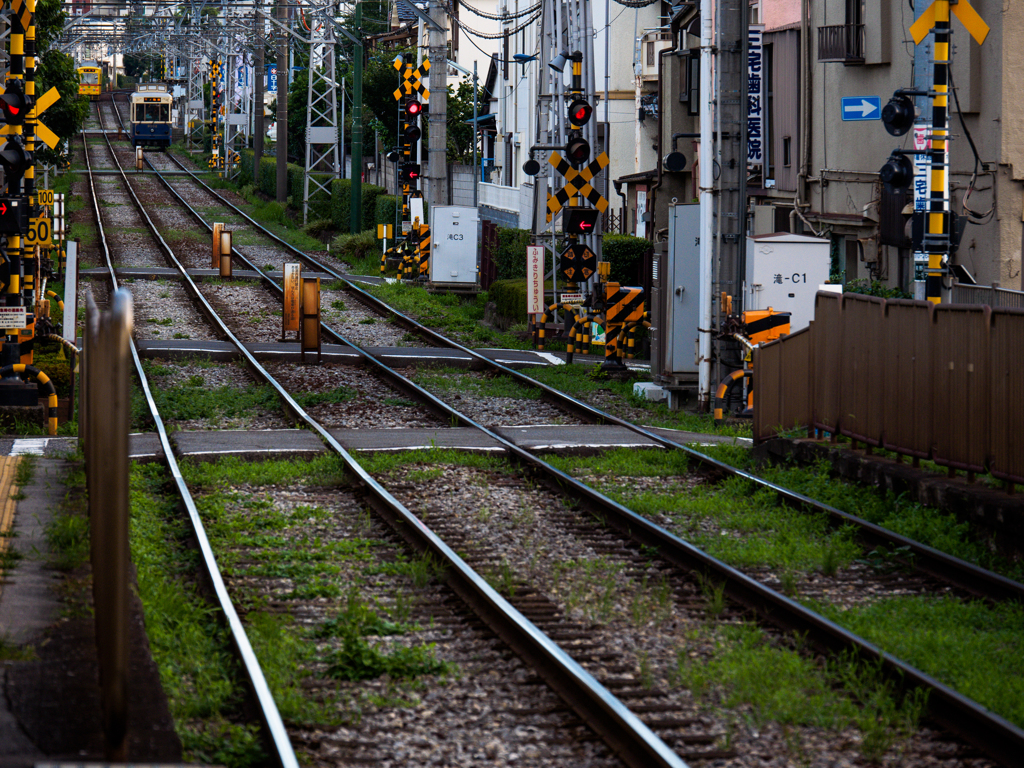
580 221
578 151
580 112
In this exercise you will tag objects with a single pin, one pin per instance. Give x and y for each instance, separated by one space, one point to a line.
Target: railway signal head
14 103
898 114
579 221
15 161
897 173
674 162
577 151
409 172
580 112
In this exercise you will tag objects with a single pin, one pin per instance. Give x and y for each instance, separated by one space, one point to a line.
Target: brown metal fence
943 382
106 411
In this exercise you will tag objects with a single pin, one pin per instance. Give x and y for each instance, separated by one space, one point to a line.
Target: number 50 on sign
40 232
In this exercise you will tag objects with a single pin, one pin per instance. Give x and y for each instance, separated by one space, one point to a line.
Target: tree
57 70
460 117
68 114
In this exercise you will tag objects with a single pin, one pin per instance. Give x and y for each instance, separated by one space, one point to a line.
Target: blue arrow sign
862 108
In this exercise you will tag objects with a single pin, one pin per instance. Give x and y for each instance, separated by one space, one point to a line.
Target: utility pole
282 103
356 215
257 105
437 146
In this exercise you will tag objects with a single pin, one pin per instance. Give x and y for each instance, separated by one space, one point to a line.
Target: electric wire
973 216
483 35
500 16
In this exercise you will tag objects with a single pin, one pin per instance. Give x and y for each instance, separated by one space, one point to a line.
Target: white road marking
29 446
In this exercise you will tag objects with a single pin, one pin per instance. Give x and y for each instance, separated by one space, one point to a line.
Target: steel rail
284 754
612 720
940 565
985 730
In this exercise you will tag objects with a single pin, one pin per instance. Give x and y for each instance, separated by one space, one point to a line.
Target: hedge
625 253
510 259
510 298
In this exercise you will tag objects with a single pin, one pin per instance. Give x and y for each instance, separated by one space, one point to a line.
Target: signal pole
937 238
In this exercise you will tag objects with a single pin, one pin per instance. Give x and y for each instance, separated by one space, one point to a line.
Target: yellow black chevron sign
19 8
412 80
577 183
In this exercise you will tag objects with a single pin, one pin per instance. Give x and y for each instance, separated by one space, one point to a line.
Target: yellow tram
90 78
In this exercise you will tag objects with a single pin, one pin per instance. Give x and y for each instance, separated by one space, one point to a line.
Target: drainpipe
652 197
805 119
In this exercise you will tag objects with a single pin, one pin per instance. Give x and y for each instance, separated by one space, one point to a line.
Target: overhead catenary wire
500 16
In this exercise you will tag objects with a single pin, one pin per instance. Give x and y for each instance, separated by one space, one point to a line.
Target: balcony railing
842 42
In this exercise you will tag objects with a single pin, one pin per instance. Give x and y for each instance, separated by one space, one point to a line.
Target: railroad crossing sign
412 80
962 10
42 104
577 183
578 263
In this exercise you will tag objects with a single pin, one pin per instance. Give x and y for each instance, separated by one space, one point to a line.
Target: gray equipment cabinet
454 248
675 301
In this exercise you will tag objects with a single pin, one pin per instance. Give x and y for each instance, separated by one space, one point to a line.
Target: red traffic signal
579 221
409 171
580 113
13 103
13 216
413 109
578 151
16 161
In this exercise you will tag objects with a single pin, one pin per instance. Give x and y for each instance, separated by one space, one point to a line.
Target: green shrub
370 194
626 254
510 258
47 358
272 212
321 229
355 247
385 209
268 177
510 298
341 204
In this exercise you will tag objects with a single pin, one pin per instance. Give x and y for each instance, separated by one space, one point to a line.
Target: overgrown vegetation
189 643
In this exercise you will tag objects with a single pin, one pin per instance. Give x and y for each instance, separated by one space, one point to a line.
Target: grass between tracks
189 643
193 399
256 539
973 648
744 674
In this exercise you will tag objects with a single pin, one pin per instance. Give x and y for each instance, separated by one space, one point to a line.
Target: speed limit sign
40 232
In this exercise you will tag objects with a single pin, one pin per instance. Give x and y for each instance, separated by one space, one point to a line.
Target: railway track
682 568
622 731
928 560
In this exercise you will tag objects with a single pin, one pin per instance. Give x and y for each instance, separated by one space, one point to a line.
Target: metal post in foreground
107 416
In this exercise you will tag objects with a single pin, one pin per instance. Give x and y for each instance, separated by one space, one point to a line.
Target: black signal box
13 216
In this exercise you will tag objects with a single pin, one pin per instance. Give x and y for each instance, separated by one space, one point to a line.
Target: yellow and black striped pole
937 238
29 260
13 298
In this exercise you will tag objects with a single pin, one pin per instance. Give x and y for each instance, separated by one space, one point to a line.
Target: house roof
633 178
